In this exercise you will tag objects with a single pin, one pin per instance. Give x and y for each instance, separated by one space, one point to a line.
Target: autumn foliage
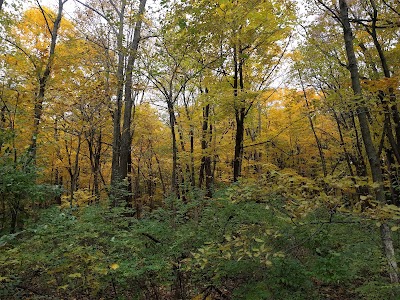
206 149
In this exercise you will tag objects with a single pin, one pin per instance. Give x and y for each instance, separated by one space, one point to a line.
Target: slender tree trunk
126 139
240 112
14 215
116 144
239 136
392 177
2 124
366 135
150 183
183 174
42 80
191 137
73 169
205 167
192 171
94 142
138 202
343 144
161 174
386 71
318 142
172 121
57 176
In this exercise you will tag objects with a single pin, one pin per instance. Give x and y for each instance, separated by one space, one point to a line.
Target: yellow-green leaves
75 275
114 266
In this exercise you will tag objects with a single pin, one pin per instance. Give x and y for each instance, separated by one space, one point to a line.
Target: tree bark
240 112
318 142
172 123
366 135
116 144
126 139
386 71
205 167
42 80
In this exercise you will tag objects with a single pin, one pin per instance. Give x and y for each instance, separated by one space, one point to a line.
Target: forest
200 149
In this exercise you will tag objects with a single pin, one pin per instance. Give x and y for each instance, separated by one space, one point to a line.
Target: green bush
240 248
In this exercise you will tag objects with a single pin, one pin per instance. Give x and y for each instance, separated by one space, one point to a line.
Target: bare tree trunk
366 135
386 71
57 176
172 121
94 142
14 214
160 173
240 112
126 139
42 80
73 167
191 138
116 144
205 167
318 142
343 144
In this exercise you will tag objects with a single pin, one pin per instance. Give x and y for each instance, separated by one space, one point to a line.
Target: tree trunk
160 173
239 136
126 139
73 169
116 144
14 215
57 176
366 135
42 80
172 123
205 167
386 71
240 112
343 144
317 141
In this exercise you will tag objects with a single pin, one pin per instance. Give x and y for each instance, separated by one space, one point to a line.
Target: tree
43 75
250 49
342 17
126 137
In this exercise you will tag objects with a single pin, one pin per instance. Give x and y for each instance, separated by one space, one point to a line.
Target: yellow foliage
81 198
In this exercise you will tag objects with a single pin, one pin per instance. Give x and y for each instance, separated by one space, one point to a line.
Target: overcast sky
69 6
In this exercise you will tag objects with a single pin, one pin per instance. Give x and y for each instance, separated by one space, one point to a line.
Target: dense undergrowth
243 244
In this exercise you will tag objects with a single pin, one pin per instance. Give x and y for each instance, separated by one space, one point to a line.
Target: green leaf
75 275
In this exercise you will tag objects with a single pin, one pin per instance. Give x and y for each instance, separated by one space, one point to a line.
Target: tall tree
248 36
126 137
44 75
342 16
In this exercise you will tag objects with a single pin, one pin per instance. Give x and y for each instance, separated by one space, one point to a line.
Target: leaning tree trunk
43 79
367 139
